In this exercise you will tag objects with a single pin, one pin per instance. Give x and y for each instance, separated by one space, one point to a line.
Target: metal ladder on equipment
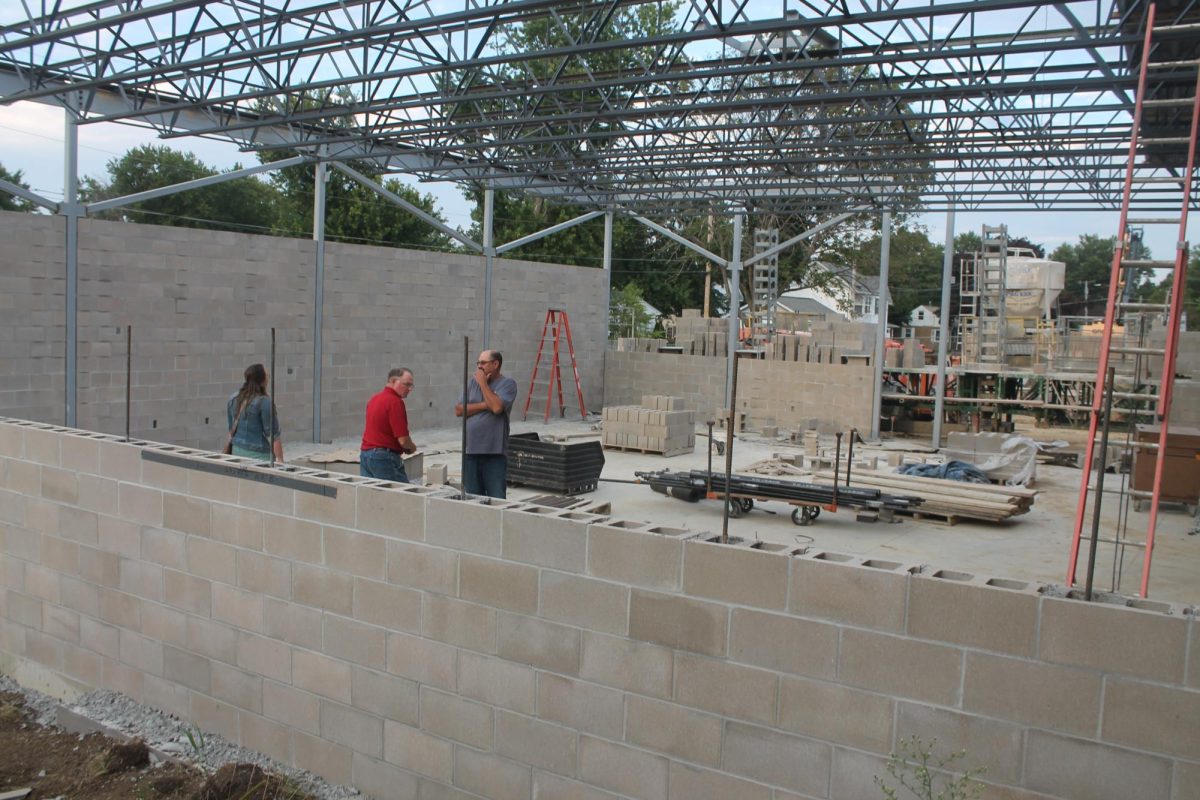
993 322
1160 154
764 286
555 328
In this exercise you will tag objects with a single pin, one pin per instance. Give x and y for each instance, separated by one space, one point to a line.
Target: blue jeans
485 475
386 465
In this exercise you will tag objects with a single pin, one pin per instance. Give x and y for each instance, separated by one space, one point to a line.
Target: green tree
914 269
968 242
239 204
627 316
1161 292
10 202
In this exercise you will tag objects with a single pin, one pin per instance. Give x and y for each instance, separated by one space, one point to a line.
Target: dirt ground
55 764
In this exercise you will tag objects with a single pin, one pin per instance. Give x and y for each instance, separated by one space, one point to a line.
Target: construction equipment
1157 162
555 328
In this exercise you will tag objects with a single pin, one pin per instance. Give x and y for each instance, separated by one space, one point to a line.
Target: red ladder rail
557 325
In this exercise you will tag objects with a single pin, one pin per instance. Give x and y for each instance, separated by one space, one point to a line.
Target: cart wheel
801 516
747 504
814 512
735 507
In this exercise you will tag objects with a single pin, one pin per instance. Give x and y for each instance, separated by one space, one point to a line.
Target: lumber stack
947 500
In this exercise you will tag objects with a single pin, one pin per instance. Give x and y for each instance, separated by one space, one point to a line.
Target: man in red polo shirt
385 438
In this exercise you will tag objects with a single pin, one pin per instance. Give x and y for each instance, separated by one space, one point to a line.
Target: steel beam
72 211
320 178
166 191
735 305
533 237
939 403
885 256
489 258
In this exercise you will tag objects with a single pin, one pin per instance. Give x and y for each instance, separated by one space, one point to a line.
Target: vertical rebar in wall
128 376
271 403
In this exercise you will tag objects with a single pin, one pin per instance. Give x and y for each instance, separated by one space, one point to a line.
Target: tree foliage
10 202
914 269
1089 261
239 204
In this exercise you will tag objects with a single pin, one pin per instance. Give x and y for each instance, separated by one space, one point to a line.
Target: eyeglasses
481 363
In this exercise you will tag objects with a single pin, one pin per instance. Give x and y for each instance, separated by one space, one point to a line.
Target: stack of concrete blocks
701 336
988 448
913 356
739 420
202 304
660 424
413 645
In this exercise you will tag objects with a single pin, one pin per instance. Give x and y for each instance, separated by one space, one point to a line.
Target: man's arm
399 422
406 444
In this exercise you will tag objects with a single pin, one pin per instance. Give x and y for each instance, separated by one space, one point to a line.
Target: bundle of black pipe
692 486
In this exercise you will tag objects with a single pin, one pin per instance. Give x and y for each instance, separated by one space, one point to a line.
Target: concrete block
186 514
624 770
540 744
140 504
59 555
164 547
860 596
735 575
241 527
678 622
553 787
418 752
496 682
378 779
1148 717
459 623
456 718
357 553
333 762
545 645
264 736
264 574
982 617
673 730
586 603
135 577
786 644
1186 781
437 474
632 555
293 538
902 667
992 744
292 707
294 624
1064 767
264 656
213 716
213 639
210 486
727 689
393 512
761 754
462 525
1042 695
389 606
581 706
60 485
42 446
498 583
490 775
424 661
239 608
430 569
353 728
269 498
165 476
213 560
158 622
321 675
345 639
187 592
323 588
236 687
1112 638
836 713
693 783
546 537
384 695
626 664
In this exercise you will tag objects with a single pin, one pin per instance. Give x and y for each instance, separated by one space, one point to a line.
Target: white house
923 324
854 296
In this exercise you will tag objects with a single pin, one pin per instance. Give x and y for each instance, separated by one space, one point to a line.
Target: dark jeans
387 465
485 475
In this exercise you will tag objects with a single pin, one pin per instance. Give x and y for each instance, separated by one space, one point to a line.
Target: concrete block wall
420 646
787 393
202 304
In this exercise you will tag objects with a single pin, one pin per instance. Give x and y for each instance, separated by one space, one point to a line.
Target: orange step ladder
555 328
1125 371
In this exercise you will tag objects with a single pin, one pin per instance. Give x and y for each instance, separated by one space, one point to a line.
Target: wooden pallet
647 451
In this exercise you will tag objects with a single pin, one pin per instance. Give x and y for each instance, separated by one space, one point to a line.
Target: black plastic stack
566 468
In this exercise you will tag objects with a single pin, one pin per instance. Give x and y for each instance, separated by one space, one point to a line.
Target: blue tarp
951 471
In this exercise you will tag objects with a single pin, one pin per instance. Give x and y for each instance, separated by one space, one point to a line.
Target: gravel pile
169 735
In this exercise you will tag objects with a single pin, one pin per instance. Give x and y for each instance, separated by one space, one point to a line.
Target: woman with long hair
254 414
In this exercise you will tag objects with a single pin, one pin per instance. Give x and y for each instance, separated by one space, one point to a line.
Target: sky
31 140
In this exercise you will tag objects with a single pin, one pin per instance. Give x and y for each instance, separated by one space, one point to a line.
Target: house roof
806 305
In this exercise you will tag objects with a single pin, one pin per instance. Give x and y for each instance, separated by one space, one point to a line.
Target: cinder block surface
1160 718
678 622
540 744
417 566
498 584
357 553
386 605
727 689
1064 767
854 595
901 667
453 717
353 728
767 756
348 640
545 645
630 772
586 603
384 695
1112 638
786 644
419 752
490 775
693 783
321 675
1044 695
836 713
459 623
990 743
379 779
293 707
735 575
396 514
546 539
461 525
974 616
582 706
496 682
331 761
633 666
422 660
292 623
323 588
673 730
629 556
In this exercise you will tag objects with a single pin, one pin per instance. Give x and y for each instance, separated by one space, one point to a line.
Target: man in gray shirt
490 397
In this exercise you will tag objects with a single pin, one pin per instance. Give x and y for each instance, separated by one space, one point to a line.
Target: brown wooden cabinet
1181 470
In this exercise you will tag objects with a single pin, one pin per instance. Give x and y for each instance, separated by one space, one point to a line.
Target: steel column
71 210
735 303
943 331
320 176
885 246
489 257
608 237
